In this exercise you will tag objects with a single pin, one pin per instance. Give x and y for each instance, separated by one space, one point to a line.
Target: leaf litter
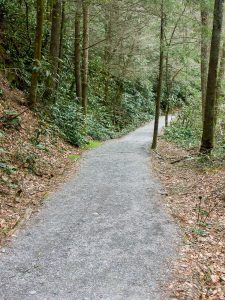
33 159
195 197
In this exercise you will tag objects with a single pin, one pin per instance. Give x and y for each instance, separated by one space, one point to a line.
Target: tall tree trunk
108 49
160 79
49 10
32 100
77 50
209 119
219 89
86 17
204 52
167 108
62 29
54 49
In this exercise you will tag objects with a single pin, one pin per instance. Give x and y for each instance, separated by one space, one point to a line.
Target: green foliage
177 97
186 129
130 99
99 120
2 134
103 121
8 169
199 232
27 158
70 120
10 119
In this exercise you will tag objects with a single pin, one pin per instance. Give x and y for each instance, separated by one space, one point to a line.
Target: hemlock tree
208 134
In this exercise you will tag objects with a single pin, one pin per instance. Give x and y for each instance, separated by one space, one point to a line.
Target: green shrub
69 119
187 128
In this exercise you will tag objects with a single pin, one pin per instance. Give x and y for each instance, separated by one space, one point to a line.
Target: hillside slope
33 158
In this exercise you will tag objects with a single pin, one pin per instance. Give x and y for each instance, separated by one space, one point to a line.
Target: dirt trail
103 235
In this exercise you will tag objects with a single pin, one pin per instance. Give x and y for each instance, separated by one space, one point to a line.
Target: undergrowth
186 132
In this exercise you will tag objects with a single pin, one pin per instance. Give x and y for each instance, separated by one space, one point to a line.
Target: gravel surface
103 235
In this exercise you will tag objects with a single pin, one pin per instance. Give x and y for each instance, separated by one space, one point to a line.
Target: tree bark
160 78
204 52
207 143
86 17
108 49
77 50
219 89
167 108
32 100
62 29
54 49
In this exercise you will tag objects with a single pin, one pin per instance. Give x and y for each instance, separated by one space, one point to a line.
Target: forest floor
33 161
195 197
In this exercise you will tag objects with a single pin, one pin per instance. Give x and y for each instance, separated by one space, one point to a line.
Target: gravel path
103 235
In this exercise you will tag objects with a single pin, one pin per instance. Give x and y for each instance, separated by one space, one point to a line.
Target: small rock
95 214
32 292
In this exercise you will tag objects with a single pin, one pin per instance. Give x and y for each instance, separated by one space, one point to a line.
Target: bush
69 119
187 128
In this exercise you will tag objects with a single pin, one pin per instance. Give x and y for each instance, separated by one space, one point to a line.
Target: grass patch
92 144
74 157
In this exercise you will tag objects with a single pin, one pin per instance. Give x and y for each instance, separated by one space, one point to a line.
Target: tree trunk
54 49
219 89
160 79
32 100
77 50
167 115
62 35
209 118
108 49
85 56
167 107
204 52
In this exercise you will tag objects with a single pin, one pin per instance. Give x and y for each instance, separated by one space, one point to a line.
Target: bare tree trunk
167 108
209 119
54 49
62 29
32 100
167 115
108 49
204 52
219 89
160 79
85 57
49 9
77 50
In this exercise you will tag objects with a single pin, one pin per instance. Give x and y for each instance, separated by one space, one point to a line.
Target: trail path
103 235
